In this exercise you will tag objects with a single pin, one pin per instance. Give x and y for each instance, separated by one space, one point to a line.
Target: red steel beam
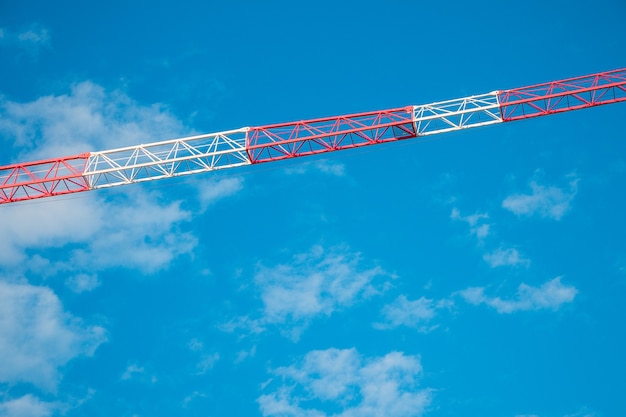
308 137
44 178
564 95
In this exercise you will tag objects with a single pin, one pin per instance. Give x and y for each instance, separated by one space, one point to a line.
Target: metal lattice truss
167 159
43 178
559 96
288 140
275 142
462 113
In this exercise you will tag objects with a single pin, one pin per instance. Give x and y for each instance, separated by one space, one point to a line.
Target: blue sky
479 274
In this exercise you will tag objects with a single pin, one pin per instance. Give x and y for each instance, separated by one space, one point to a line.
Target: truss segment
309 137
564 95
44 178
461 113
168 158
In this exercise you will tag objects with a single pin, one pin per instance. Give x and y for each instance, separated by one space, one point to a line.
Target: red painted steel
564 95
308 137
43 178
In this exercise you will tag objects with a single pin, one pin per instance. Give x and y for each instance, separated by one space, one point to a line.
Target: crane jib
254 145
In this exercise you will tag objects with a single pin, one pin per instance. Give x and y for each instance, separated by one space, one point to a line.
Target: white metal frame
460 113
168 158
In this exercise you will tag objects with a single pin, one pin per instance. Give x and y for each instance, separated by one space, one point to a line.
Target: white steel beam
461 113
168 158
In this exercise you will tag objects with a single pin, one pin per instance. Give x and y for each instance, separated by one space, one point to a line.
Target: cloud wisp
351 385
549 296
479 227
324 166
207 359
417 314
30 40
138 374
505 257
546 201
211 191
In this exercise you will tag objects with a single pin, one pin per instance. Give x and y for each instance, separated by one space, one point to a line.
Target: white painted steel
460 113
168 158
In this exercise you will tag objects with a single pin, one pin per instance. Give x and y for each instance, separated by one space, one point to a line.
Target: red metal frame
308 137
564 95
43 178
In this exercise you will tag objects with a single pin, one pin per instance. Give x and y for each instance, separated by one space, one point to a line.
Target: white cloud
190 398
415 314
546 201
250 325
242 355
479 228
83 282
550 295
29 40
316 283
27 406
195 345
132 228
323 165
32 226
207 362
343 380
212 190
87 119
37 337
505 257
331 168
134 372
139 230
131 371
35 35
